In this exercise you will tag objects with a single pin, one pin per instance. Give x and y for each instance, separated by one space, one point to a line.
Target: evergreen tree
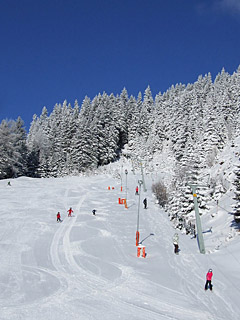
6 151
13 151
236 209
146 119
21 153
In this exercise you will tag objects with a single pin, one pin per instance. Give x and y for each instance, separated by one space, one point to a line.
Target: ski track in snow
88 269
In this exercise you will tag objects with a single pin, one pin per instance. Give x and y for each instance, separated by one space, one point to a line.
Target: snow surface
87 266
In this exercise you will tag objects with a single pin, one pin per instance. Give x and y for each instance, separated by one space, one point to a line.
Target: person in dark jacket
145 203
175 243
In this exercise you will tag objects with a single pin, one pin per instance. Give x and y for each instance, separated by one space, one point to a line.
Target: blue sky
52 50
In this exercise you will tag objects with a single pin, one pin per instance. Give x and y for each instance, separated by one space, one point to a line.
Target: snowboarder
136 190
94 212
70 211
209 280
175 243
145 203
59 217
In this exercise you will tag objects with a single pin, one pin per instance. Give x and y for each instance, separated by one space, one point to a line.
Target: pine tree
13 158
236 209
6 151
146 119
21 153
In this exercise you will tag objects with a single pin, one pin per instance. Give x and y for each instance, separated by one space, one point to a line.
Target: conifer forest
190 124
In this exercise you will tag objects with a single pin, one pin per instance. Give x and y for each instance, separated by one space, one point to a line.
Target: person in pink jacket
209 280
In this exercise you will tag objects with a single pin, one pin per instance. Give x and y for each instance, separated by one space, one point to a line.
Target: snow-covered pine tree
45 139
19 142
84 147
146 117
133 121
236 209
122 124
33 148
13 151
71 167
6 151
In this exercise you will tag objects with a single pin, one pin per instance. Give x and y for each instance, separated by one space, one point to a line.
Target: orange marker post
137 238
138 251
141 253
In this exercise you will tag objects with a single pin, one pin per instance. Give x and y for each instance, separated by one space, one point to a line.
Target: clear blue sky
52 50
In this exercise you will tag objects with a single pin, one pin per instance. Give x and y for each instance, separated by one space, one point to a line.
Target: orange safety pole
119 200
121 189
138 251
143 252
137 238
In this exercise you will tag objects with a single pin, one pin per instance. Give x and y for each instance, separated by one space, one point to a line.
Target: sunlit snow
87 266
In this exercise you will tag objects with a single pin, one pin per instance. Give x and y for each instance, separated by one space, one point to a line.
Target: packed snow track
87 267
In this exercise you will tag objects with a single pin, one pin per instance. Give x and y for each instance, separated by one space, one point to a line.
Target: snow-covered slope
87 266
219 221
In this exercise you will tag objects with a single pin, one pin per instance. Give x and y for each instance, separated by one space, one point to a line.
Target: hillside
87 267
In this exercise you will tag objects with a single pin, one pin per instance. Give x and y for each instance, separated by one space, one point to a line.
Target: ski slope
87 267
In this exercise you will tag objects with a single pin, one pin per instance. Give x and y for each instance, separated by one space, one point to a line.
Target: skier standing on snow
175 242
209 280
145 203
136 190
70 211
94 212
59 217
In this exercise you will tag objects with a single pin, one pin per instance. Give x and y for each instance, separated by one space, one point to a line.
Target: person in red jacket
209 280
70 211
136 190
59 217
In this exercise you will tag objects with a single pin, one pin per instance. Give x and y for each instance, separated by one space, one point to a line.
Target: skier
9 183
94 212
59 217
136 190
209 280
175 243
70 211
145 203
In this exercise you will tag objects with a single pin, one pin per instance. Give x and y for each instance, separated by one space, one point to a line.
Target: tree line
191 123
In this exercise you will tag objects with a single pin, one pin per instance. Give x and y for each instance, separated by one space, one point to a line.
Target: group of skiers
209 275
70 211
175 240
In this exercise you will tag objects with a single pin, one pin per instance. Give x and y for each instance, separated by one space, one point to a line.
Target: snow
87 266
